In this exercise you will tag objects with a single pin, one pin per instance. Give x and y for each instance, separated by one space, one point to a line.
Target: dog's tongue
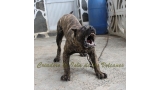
89 41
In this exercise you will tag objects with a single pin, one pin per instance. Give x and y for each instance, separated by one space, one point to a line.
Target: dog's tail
71 12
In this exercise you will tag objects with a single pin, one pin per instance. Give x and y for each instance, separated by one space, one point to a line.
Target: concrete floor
82 78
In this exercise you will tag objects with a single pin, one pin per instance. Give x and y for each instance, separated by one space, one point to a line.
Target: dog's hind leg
59 37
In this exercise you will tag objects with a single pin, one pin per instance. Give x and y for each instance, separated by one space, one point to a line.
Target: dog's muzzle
89 41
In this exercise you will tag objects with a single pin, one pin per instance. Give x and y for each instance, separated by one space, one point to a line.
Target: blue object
98 15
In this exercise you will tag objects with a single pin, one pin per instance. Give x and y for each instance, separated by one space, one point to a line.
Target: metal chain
104 47
89 59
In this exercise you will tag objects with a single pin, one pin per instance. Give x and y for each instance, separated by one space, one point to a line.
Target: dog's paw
56 59
101 75
65 78
83 54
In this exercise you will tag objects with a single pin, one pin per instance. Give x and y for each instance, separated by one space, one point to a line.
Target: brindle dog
79 39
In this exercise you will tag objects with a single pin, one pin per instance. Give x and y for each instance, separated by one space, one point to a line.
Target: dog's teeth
92 34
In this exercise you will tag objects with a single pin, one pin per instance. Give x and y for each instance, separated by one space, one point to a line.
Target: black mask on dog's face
86 36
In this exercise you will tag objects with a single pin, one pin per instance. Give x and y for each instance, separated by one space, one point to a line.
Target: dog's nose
92 30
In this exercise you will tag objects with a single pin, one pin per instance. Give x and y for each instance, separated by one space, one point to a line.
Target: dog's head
85 35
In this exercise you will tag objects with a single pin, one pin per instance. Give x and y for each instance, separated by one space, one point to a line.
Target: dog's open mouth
89 41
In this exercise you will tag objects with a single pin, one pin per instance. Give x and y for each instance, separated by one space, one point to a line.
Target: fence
40 25
117 17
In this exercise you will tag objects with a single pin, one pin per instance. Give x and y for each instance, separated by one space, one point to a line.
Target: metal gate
55 9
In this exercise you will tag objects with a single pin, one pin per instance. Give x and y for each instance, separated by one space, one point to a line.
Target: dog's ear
75 31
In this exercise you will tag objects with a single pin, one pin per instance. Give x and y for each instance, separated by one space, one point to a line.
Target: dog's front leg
94 60
66 76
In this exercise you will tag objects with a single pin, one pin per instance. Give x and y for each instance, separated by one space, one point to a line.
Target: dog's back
68 22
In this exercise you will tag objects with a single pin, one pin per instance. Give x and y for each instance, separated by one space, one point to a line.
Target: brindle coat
69 26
